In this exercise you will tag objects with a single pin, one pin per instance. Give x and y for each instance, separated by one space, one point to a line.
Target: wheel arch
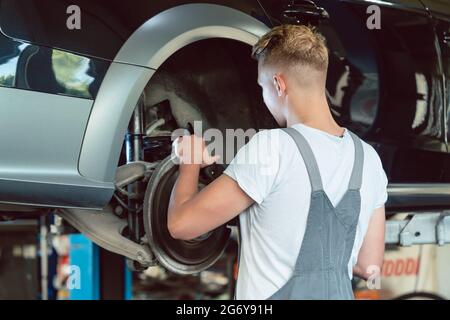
142 54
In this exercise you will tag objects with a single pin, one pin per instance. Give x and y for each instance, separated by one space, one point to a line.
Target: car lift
419 228
94 273
102 274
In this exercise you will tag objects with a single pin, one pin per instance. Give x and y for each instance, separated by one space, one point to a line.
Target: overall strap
308 158
358 164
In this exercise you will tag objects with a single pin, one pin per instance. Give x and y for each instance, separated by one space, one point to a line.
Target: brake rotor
179 256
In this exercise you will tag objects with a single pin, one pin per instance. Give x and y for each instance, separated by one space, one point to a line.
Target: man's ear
280 84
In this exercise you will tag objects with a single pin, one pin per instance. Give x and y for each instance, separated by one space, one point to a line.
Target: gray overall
321 269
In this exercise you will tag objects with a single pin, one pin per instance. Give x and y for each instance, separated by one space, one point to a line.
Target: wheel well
213 80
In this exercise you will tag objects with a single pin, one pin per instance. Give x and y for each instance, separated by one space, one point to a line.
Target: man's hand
191 150
191 215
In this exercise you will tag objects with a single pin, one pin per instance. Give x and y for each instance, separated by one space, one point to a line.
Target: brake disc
179 256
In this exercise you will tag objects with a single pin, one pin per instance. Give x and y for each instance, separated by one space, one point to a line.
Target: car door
46 96
440 11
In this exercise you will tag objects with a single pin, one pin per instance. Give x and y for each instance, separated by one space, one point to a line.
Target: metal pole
43 243
134 152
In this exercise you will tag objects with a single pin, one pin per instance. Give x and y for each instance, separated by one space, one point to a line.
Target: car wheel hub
183 257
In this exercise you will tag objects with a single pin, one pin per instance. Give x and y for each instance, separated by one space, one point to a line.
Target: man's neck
316 114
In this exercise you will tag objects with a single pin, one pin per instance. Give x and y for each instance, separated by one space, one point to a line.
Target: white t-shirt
272 172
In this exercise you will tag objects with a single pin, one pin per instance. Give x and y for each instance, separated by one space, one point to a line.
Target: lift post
102 274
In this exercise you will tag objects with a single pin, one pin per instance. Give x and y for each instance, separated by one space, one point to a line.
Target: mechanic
318 217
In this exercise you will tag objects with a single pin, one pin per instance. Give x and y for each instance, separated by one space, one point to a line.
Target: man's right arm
371 254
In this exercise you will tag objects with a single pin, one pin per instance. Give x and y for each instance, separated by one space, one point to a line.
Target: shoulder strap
311 163
308 158
358 164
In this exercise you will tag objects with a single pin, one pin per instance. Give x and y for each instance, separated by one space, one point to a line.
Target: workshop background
37 263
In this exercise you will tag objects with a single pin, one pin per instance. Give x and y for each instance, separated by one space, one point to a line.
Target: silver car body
65 152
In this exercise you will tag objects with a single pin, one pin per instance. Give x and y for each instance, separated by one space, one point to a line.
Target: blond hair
292 45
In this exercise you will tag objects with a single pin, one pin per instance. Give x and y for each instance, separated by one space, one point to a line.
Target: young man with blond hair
317 216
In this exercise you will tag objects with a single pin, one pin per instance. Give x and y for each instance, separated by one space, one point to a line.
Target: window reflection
9 55
71 72
31 67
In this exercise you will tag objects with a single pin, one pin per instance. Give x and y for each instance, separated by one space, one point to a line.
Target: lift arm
419 228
